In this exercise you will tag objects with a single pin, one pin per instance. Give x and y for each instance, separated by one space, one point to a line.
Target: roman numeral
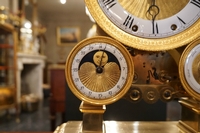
155 28
196 3
128 21
109 3
181 20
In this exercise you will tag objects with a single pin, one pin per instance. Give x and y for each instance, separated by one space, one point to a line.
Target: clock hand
101 59
99 68
153 12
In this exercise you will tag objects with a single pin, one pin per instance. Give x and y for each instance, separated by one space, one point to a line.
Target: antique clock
151 25
189 69
99 70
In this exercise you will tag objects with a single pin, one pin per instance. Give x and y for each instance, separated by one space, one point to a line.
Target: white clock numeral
196 3
109 3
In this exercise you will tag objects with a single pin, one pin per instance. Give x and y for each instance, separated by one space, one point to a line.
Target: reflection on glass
196 68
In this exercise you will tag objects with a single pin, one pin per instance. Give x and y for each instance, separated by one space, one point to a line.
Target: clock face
189 69
144 26
99 70
148 24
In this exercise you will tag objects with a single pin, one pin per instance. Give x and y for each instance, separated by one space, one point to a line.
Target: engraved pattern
99 82
122 84
149 44
139 7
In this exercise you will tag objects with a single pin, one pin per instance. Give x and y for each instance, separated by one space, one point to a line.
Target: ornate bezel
84 44
149 44
186 65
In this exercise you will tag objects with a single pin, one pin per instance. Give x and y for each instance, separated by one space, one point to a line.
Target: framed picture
67 36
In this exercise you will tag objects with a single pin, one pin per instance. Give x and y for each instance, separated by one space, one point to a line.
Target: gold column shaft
92 118
190 116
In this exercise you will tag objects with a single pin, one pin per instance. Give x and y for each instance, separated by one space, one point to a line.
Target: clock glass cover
99 70
148 24
189 69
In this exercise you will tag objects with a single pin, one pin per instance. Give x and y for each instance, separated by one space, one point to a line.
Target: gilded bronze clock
151 25
99 70
189 69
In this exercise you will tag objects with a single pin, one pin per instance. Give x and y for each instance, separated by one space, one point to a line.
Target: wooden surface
57 90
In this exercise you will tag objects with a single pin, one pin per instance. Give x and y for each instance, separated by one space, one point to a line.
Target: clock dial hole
135 28
173 27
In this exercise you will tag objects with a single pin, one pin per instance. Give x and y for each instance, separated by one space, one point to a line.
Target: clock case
157 80
143 43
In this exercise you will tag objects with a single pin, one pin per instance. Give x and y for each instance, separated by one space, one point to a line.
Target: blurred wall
70 17
4 3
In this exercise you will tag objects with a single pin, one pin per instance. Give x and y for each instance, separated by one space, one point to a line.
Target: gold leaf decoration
99 82
167 8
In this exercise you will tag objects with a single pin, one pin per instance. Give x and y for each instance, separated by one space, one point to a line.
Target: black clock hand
99 69
153 12
101 58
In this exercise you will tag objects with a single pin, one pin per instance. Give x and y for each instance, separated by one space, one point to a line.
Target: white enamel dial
99 70
145 28
152 25
188 69
122 63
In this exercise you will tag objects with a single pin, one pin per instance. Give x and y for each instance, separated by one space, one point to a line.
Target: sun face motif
100 58
99 70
